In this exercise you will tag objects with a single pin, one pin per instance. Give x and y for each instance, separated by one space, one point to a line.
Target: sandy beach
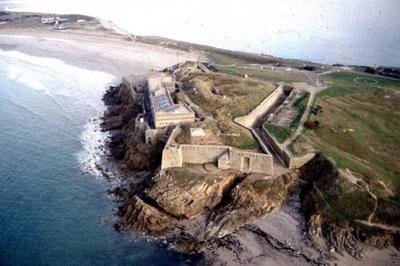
108 52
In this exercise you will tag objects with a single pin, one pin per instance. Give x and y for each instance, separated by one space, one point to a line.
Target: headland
235 157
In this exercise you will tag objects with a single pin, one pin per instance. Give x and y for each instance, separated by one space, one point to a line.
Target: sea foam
76 91
92 158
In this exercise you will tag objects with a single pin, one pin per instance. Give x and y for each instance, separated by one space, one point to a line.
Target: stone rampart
299 161
249 119
176 155
172 153
290 160
171 157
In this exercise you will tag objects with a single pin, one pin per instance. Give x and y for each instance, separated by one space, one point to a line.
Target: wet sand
108 52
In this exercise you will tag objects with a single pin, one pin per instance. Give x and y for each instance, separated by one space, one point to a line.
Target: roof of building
160 97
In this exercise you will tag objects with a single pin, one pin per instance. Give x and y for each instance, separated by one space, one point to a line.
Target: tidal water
50 213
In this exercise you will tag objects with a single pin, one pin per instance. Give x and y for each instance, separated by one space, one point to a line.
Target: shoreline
109 53
243 234
279 237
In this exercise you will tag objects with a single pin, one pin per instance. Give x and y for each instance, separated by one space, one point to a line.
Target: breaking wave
92 158
77 96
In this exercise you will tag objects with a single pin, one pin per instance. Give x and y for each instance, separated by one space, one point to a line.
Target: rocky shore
214 214
194 212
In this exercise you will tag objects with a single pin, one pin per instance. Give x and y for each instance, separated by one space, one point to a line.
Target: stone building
163 110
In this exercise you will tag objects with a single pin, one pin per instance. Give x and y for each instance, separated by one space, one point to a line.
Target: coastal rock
216 203
253 198
113 110
187 196
139 155
112 123
142 217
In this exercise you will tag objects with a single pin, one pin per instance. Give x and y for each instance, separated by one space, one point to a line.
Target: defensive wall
250 119
226 157
291 161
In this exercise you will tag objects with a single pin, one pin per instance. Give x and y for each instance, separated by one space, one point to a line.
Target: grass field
279 133
235 97
272 75
359 131
360 126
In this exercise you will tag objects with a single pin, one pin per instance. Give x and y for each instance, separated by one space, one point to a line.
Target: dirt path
381 226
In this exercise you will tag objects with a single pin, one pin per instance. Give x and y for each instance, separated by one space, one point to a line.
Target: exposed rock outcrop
253 198
344 226
202 209
188 199
142 217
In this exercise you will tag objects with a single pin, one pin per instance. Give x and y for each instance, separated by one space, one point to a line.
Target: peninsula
238 158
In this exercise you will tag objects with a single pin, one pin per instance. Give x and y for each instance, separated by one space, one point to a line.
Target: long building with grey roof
163 109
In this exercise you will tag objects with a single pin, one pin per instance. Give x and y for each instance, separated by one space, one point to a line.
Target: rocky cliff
342 210
196 211
197 207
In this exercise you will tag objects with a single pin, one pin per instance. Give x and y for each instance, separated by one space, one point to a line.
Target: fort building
164 111
160 112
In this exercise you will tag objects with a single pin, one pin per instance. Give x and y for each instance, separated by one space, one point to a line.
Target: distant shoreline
89 44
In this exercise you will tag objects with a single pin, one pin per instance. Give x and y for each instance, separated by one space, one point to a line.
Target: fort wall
299 161
226 157
171 157
290 160
200 154
249 119
172 154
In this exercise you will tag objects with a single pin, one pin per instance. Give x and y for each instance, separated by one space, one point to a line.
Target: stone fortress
161 113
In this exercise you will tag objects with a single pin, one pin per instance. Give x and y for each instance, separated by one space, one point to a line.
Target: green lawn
359 126
279 133
359 131
300 104
263 74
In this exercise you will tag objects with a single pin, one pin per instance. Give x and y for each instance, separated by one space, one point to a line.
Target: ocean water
50 213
